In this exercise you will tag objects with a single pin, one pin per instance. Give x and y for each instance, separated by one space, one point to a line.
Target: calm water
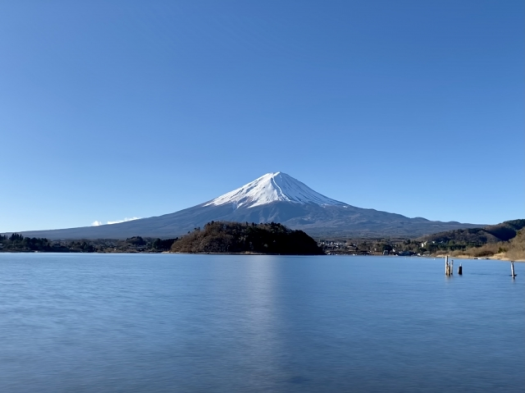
183 323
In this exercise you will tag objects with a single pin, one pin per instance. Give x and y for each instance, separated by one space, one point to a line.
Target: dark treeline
18 243
233 237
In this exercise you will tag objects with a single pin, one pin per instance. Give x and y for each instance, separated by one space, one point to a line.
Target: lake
210 323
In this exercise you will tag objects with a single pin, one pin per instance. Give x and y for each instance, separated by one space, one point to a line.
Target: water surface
195 323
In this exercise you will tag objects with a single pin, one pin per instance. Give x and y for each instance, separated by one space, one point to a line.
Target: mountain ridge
273 197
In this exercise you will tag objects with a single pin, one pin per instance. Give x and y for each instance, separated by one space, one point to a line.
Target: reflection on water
187 323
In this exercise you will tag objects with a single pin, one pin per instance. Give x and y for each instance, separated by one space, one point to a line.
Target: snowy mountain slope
273 197
273 187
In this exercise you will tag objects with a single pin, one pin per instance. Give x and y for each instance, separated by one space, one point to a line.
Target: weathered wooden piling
460 269
512 271
448 266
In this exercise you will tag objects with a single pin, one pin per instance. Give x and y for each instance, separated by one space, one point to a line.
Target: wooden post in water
460 269
448 267
512 272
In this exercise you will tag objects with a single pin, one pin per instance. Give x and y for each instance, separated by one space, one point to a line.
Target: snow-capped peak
273 187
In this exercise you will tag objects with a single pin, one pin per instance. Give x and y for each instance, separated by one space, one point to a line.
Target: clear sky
119 109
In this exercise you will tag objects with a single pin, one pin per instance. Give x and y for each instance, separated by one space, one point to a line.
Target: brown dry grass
513 250
516 250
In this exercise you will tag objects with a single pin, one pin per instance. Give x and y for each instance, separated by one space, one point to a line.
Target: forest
234 237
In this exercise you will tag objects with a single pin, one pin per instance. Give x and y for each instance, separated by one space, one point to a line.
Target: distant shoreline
492 258
497 257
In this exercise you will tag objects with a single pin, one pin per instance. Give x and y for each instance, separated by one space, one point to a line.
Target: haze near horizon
119 110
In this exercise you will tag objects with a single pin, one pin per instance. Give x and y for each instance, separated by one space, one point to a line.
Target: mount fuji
275 197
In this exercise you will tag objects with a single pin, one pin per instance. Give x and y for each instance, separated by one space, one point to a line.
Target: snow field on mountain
273 187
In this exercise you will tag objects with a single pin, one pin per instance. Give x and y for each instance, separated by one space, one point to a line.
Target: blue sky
129 108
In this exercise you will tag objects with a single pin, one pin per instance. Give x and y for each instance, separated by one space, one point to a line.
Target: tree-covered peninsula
233 237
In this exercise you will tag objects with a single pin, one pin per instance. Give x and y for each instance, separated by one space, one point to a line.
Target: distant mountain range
274 197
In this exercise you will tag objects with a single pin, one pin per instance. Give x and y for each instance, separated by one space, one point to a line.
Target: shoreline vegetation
214 238
136 244
505 241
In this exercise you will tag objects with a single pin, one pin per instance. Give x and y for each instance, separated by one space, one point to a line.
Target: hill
503 241
504 231
232 237
513 249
